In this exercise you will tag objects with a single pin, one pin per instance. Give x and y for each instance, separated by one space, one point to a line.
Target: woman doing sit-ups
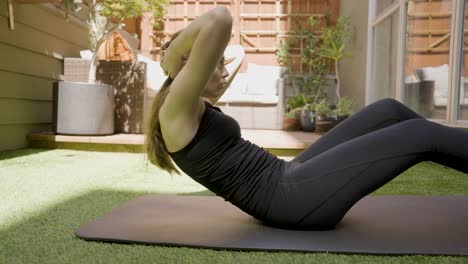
316 188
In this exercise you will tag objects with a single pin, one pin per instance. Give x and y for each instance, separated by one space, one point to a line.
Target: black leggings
356 157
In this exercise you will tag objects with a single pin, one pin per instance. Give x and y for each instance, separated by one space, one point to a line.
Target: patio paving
277 142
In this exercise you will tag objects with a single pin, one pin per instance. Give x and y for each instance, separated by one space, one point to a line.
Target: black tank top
231 167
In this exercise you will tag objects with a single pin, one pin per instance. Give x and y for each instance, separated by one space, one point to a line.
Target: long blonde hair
155 147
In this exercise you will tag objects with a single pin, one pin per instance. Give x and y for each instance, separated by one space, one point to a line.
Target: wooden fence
259 25
428 34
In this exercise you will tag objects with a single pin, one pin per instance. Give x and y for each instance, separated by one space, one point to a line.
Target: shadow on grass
49 236
15 153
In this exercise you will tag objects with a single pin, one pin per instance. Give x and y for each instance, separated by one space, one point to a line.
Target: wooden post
185 14
236 25
259 25
288 27
278 28
334 6
430 21
241 21
10 15
146 35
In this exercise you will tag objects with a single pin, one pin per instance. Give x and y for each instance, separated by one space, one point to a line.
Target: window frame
455 54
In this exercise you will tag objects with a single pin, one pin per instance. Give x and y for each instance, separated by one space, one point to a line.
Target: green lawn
47 194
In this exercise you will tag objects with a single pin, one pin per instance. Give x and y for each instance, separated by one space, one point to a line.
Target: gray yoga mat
390 225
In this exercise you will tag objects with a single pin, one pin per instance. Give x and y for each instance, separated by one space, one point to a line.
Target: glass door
417 54
462 107
426 78
385 49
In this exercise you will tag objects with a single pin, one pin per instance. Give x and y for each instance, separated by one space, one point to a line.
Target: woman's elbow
222 15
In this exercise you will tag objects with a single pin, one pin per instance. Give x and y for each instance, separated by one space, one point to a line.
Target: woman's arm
203 42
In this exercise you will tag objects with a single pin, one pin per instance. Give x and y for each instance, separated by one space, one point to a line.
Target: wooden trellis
258 26
436 37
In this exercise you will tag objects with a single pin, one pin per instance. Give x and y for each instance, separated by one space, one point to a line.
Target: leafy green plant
297 102
317 50
100 13
290 114
310 56
344 106
71 6
334 41
306 79
323 108
310 107
285 59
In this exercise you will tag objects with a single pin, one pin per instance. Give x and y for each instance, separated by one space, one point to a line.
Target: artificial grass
47 194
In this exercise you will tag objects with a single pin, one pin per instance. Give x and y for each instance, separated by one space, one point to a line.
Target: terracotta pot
323 126
290 123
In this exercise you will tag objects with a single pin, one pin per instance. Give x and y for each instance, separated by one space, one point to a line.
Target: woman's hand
172 62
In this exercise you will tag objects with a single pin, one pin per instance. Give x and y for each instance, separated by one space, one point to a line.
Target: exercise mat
388 225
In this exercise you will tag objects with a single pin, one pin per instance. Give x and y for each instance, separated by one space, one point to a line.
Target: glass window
382 5
427 57
463 91
384 63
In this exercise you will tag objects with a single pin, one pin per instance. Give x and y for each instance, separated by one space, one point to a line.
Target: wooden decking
278 142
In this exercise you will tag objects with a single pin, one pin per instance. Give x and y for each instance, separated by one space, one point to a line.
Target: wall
31 59
353 69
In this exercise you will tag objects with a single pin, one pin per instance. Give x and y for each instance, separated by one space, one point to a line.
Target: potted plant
343 109
292 115
334 40
307 117
88 108
322 120
300 79
311 78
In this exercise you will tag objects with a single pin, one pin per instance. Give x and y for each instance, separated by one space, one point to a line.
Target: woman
316 188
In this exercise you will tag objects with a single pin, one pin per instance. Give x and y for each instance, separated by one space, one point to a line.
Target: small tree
316 64
309 77
334 41
100 13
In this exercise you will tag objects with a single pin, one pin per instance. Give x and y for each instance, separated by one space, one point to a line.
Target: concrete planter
83 108
131 98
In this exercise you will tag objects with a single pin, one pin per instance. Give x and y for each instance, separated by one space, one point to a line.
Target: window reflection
385 58
427 57
463 92
382 5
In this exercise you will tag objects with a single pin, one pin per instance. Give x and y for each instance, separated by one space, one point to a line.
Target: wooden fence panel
259 25
429 33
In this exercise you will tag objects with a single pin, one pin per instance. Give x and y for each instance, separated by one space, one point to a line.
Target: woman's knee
396 109
389 103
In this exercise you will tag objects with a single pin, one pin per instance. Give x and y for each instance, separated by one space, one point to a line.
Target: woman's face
217 84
